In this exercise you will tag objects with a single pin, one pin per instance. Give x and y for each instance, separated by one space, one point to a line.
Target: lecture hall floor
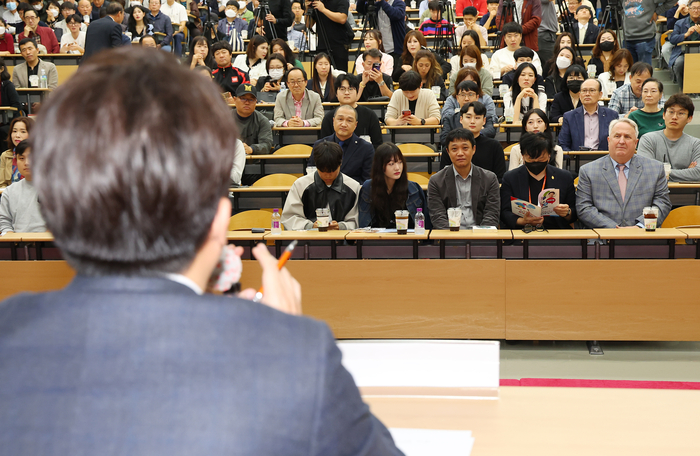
647 361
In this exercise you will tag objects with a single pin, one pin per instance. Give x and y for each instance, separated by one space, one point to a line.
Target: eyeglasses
589 90
248 100
296 82
529 228
677 113
694 9
346 89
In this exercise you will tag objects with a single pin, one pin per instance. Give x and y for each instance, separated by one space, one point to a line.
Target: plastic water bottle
276 225
420 222
43 80
283 87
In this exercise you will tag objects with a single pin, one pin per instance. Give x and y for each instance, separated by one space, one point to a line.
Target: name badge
34 80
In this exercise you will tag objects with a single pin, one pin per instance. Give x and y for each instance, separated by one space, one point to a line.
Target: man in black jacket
105 33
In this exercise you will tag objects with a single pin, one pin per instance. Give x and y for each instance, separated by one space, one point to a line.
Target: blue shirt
161 23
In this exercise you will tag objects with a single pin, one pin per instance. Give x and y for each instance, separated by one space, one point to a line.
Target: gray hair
632 123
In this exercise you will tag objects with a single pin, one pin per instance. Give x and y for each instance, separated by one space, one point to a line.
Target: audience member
99 8
613 190
629 97
569 96
200 53
502 61
42 35
279 46
368 127
470 74
18 132
105 33
527 182
650 117
67 10
488 20
11 14
585 32
373 40
618 74
19 206
687 29
253 127
430 72
238 163
7 43
564 39
469 16
469 38
529 15
139 25
411 105
53 14
322 81
523 55
149 41
389 190
606 46
555 81
276 66
254 60
357 153
391 15
536 121
671 145
231 25
298 106
414 42
178 20
27 73
464 185
85 10
436 24
467 92
8 98
471 58
73 42
673 15
375 83
226 75
524 95
586 127
326 188
295 36
161 24
640 34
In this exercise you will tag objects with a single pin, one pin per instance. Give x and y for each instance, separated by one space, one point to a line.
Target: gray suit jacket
21 80
442 194
144 366
311 108
599 201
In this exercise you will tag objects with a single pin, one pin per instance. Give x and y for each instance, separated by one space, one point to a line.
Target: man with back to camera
357 153
587 125
628 98
153 365
327 187
391 18
465 185
368 127
105 33
671 145
613 190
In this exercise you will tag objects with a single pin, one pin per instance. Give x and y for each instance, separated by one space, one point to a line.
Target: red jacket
530 20
46 37
7 43
480 5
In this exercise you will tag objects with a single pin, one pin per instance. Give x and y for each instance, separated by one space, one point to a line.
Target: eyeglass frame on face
248 100
694 8
679 114
591 91
30 17
464 94
296 82
345 89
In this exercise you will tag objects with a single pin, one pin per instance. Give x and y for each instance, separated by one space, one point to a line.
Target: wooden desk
306 237
361 236
470 235
535 421
691 67
558 235
680 186
309 134
668 234
33 94
5 112
12 239
692 233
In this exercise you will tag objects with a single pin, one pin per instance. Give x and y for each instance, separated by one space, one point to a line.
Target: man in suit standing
105 33
613 190
464 185
587 126
357 153
132 357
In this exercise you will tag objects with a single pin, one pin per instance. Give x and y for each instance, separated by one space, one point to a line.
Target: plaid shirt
623 99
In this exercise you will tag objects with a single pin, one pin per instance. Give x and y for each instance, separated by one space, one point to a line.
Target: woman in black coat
8 97
526 182
568 97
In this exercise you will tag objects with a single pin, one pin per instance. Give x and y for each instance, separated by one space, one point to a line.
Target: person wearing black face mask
527 182
568 97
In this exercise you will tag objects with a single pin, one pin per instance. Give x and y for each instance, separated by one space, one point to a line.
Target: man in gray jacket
464 185
19 206
671 145
253 127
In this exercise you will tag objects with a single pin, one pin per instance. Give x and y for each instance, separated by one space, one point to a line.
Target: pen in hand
280 264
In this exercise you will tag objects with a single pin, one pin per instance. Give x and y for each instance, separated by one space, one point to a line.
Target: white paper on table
430 442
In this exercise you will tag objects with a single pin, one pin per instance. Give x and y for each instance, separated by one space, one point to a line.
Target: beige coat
6 168
426 106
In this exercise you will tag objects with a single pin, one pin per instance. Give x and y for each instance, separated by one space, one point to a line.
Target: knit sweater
679 153
19 209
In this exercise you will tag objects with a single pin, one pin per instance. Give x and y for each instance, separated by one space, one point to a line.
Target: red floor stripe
581 383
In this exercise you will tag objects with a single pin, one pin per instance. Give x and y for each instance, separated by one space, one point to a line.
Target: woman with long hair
276 68
553 83
618 75
565 39
568 98
254 60
430 72
605 46
8 96
200 53
524 94
471 56
139 25
389 190
322 81
412 43
20 127
279 46
373 40
469 38
536 121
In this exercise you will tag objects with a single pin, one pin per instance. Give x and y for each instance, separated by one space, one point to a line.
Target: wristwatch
422 121
381 84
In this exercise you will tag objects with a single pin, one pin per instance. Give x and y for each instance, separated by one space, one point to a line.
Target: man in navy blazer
579 126
105 33
357 153
132 358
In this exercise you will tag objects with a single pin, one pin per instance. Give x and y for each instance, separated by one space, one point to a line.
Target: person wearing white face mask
11 15
470 56
232 24
7 43
53 13
553 82
276 66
